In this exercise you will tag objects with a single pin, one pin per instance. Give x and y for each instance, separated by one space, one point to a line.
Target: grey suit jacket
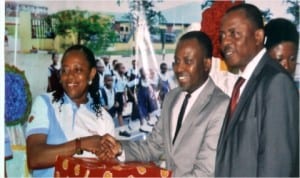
262 137
193 153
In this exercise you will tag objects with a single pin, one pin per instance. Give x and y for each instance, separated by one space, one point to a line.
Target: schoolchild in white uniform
121 85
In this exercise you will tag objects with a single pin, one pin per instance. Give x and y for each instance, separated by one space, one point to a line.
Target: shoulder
272 73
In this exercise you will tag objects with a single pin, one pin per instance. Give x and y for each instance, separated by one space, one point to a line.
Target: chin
232 63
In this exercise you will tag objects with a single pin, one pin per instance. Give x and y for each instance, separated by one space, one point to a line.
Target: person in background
8 151
108 68
190 151
133 79
114 62
107 96
282 42
100 72
120 85
260 133
53 74
133 72
69 121
163 82
6 37
146 100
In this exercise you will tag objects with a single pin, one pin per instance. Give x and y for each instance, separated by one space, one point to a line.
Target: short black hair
253 14
203 40
162 65
281 30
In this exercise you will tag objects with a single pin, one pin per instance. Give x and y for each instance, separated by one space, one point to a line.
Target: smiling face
189 65
286 54
75 75
240 40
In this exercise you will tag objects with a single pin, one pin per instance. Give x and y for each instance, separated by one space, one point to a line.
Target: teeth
228 53
71 84
182 77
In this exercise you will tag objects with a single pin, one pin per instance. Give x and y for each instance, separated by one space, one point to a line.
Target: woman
70 120
282 41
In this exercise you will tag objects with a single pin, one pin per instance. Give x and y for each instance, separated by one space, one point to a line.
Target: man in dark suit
260 137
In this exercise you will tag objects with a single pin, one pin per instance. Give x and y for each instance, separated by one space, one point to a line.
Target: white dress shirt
249 69
177 106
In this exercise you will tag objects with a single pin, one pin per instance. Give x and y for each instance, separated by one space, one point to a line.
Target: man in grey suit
189 152
260 137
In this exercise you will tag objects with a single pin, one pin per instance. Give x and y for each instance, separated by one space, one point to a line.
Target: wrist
120 151
78 149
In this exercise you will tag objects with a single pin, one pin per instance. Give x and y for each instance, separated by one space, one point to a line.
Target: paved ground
35 66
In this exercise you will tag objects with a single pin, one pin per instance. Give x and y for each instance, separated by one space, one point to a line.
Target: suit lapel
193 115
245 97
169 115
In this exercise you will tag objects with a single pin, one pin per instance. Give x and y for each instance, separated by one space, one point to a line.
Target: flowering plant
17 96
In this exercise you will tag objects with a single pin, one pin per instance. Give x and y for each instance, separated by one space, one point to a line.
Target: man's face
240 41
189 66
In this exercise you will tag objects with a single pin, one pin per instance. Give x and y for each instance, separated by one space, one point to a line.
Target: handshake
105 147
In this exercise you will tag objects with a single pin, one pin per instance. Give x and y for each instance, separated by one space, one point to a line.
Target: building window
39 28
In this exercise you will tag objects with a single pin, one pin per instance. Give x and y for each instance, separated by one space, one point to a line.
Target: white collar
246 74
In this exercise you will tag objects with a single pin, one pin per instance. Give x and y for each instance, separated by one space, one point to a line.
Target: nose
178 67
285 63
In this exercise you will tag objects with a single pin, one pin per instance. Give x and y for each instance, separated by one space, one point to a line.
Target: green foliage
94 31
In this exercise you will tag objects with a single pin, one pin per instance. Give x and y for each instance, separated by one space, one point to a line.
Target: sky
278 7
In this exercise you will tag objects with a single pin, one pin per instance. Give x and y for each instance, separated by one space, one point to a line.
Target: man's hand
110 148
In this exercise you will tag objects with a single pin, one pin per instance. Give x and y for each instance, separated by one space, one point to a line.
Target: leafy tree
94 31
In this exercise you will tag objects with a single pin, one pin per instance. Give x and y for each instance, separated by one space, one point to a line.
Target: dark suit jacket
262 137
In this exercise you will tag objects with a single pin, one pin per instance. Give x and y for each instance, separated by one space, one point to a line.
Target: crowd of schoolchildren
136 93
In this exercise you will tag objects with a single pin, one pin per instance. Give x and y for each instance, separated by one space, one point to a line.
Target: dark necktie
235 95
181 114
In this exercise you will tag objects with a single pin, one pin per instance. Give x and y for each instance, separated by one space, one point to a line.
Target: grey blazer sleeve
150 149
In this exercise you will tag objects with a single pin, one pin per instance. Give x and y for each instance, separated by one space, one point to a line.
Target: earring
90 82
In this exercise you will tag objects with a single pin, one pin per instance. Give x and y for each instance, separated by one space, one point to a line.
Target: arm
145 150
279 137
150 149
42 155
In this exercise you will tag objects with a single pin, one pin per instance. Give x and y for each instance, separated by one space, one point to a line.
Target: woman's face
286 54
75 76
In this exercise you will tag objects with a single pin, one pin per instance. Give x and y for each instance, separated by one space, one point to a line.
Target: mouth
182 78
227 52
72 85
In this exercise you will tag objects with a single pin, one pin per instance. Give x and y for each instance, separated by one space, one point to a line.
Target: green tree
94 31
153 17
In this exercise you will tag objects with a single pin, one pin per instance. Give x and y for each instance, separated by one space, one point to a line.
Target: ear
259 36
207 64
92 73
